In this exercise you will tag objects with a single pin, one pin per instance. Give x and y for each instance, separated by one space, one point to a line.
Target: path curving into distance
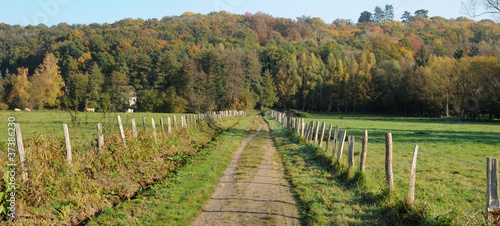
261 197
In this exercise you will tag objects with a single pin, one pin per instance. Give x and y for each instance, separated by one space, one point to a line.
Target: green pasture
49 123
451 160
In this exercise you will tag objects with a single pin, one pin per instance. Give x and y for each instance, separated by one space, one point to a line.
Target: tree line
194 63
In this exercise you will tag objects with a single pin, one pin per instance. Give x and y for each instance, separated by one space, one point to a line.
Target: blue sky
51 12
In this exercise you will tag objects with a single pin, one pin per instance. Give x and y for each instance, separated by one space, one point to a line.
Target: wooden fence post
296 125
388 161
311 131
20 151
303 127
322 135
492 204
341 145
306 129
144 122
413 175
121 129
175 121
328 137
364 150
169 126
100 139
161 124
317 132
351 151
154 129
68 144
335 138
134 128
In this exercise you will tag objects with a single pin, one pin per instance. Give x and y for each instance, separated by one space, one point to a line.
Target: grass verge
178 199
331 194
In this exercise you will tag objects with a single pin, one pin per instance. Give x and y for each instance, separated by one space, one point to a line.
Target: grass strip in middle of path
177 200
253 155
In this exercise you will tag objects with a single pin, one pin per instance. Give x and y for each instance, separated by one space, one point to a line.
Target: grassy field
451 162
51 121
49 124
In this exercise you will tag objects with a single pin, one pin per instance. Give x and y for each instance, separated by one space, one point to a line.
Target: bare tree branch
493 4
470 8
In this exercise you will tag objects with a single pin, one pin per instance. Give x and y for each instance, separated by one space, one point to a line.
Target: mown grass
469 141
56 193
330 194
176 200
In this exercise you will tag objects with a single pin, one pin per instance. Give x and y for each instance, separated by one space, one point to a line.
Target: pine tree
379 15
268 90
389 13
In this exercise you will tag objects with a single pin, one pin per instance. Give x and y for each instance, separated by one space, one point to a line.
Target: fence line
427 152
427 190
99 136
426 171
492 171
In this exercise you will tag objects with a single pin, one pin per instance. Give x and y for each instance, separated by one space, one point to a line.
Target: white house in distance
129 96
132 99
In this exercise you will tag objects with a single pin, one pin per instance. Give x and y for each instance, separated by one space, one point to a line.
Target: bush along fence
48 168
185 121
18 154
315 132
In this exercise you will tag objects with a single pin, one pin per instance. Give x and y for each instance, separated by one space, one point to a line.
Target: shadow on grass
387 210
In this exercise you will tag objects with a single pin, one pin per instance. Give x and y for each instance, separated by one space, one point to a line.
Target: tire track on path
262 197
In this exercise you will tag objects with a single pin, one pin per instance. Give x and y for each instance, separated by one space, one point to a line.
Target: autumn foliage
197 62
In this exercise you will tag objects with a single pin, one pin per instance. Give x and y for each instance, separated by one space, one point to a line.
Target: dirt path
261 197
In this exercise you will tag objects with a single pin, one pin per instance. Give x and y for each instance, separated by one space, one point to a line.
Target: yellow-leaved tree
19 96
46 84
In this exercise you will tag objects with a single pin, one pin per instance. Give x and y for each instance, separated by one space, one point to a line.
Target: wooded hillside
199 63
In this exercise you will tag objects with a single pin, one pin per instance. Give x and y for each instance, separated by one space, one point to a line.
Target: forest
196 63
